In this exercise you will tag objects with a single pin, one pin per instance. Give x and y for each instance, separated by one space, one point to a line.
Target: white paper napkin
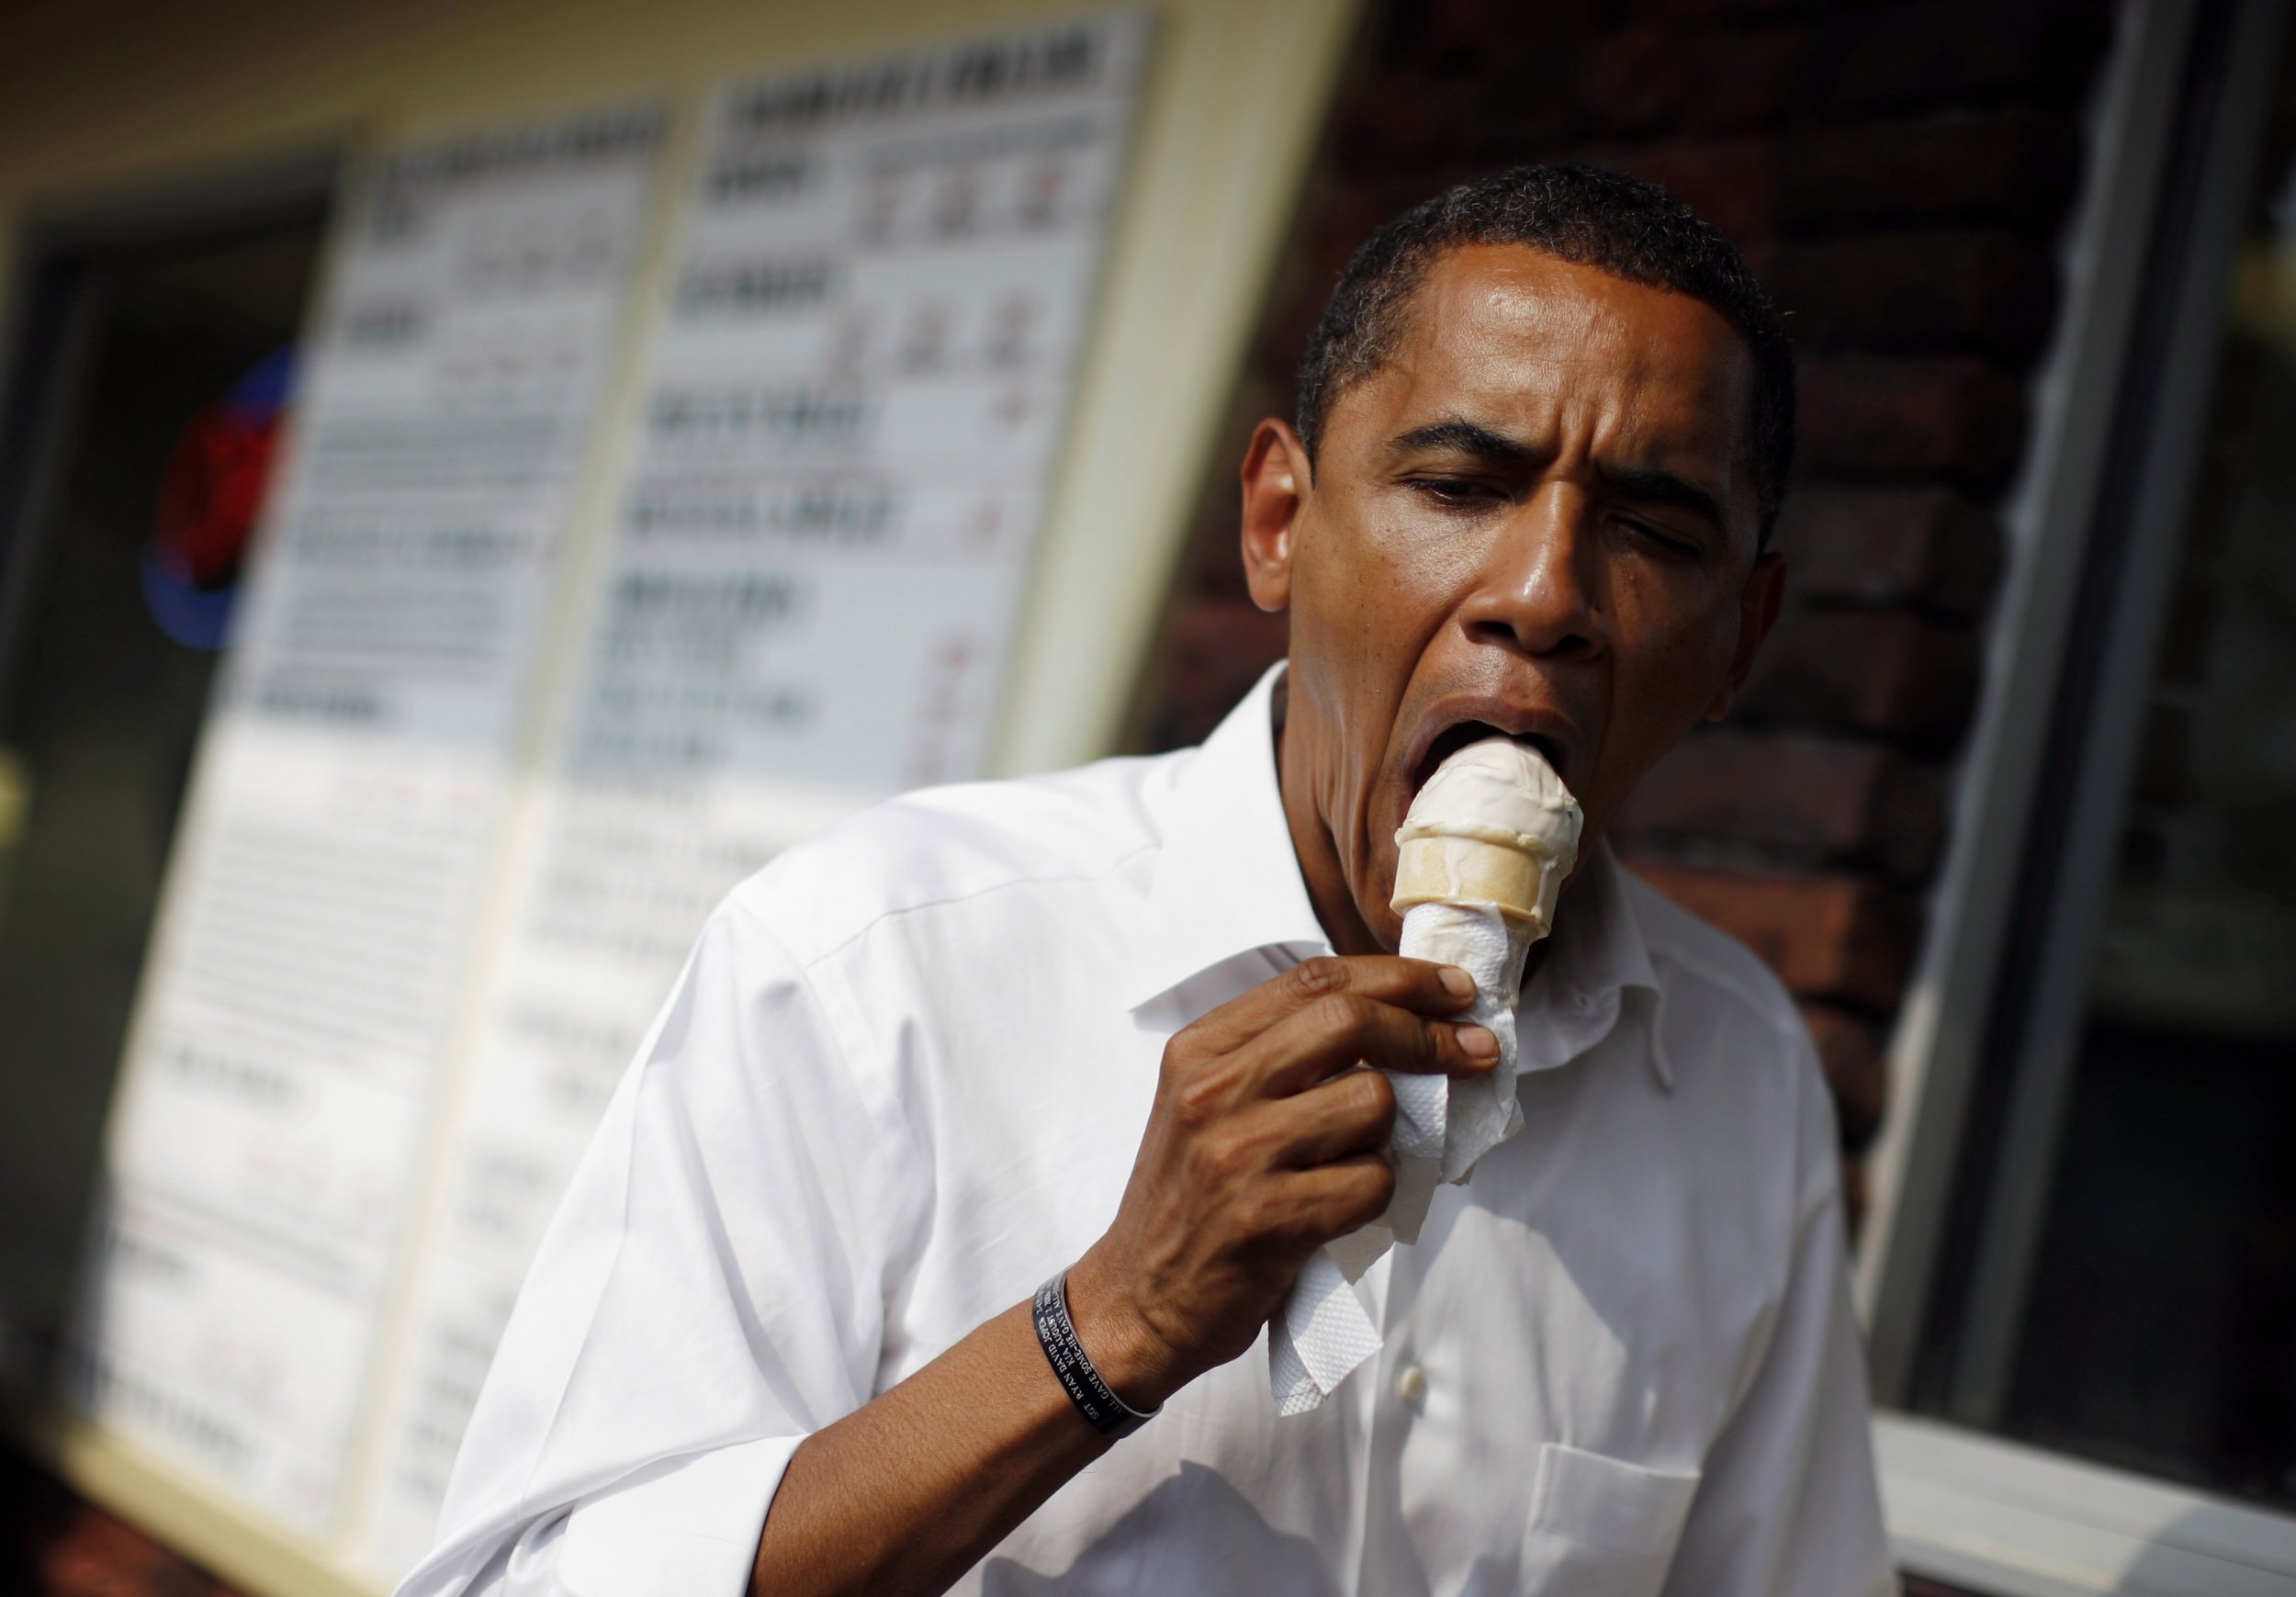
1442 1126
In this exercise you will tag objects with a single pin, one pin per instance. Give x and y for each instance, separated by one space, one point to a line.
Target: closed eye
1668 543
1457 492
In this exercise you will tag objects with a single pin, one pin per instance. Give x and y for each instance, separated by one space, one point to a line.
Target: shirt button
1412 1384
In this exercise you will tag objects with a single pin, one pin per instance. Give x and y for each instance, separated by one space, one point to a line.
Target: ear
1757 604
1277 482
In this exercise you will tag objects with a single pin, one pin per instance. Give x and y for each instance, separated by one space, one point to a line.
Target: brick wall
1899 175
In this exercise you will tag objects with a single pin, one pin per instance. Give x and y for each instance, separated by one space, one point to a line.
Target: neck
1322 867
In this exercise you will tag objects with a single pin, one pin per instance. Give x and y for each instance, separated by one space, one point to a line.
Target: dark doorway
130 324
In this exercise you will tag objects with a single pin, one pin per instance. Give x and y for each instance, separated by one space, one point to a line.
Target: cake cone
1494 824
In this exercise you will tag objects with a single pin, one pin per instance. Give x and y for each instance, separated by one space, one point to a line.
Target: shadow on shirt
1229 1548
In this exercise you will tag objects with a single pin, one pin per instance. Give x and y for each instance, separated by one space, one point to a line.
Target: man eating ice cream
935 1239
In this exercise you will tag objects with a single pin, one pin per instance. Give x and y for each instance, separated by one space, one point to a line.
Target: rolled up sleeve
708 1295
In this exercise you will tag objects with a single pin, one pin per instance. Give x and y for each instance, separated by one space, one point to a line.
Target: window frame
1964 1503
2014 1520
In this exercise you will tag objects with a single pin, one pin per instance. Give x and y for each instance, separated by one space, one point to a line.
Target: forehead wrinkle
1534 333
1465 436
1505 337
1596 333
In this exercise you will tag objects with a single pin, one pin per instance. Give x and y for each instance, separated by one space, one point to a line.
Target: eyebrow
1463 437
1665 487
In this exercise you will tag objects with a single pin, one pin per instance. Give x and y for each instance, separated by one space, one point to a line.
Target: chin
1378 911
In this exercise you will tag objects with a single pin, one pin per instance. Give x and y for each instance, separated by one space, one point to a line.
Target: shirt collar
1227 884
1227 881
1596 965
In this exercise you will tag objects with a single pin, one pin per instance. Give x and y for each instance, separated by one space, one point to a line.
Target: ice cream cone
1495 825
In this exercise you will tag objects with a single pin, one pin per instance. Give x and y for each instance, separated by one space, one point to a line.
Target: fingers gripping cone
1481 858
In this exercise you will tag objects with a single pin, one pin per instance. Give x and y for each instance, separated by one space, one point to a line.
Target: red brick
1739 185
1211 562
1211 565
1949 416
1671 72
1838 937
1824 799
1213 649
1849 1047
1359 205
1479 71
2011 165
1986 289
1482 32
1409 121
1414 137
1889 545
2014 164
1948 52
1354 209
1890 673
1282 343
1644 79
1719 10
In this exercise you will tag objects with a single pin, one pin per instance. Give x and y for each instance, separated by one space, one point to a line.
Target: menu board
316 938
851 411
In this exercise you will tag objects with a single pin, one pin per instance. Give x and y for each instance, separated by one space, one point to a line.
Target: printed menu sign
853 413
849 419
316 941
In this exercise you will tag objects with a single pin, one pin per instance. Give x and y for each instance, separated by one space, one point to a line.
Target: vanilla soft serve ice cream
1494 824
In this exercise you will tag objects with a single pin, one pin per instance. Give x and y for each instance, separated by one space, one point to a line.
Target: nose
1539 591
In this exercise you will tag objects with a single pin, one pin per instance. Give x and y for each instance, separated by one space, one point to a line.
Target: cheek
1372 604
1672 660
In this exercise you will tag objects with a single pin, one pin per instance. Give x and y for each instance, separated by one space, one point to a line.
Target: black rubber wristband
1102 1409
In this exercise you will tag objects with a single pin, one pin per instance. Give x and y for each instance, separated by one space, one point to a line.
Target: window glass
2155 1309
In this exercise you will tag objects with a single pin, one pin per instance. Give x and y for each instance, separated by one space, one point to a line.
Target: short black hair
1616 224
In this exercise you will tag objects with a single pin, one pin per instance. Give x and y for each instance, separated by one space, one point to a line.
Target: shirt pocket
1602 1528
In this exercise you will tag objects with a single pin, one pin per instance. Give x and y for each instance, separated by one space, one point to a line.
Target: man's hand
1264 1144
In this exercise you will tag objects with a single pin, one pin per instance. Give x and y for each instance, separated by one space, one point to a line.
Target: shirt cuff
685 1527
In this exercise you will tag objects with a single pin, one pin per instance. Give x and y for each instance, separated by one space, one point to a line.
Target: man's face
1539 518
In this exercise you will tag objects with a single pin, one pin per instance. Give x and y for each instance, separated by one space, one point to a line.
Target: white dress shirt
901 1082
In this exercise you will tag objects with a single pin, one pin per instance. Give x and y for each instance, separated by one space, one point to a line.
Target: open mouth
1451 740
